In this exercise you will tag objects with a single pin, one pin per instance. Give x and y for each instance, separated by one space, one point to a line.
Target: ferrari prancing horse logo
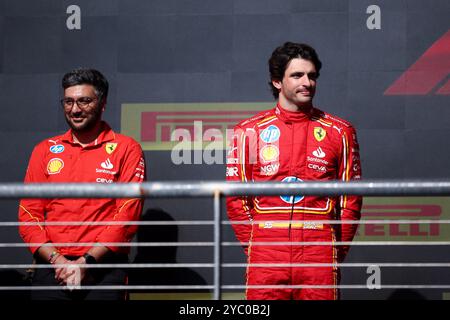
110 147
319 133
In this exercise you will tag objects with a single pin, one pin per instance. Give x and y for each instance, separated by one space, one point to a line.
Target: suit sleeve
350 205
132 171
239 169
33 210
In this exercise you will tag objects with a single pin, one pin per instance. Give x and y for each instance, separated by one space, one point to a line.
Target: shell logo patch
269 153
110 147
319 133
55 166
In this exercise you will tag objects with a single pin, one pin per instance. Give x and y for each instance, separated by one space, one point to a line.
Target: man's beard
89 124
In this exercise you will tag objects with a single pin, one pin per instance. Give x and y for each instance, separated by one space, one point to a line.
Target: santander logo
107 164
319 153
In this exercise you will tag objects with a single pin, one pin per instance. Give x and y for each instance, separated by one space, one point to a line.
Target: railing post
217 246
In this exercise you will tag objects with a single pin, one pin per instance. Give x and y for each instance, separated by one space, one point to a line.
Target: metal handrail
208 188
218 189
211 222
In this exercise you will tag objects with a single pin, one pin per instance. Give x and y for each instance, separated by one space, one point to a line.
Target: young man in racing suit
293 142
90 151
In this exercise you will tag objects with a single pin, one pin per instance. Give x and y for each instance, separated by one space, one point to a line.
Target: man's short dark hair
282 55
87 76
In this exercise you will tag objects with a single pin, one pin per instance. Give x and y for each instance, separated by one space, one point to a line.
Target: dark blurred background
199 55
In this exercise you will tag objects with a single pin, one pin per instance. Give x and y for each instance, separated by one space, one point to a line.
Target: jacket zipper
291 214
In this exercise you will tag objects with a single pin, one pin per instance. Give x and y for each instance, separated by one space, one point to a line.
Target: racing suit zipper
291 214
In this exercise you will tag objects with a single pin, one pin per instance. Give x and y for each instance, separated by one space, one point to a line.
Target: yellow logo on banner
319 133
55 166
110 147
159 126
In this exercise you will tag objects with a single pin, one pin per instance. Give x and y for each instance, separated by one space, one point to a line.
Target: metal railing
209 189
217 190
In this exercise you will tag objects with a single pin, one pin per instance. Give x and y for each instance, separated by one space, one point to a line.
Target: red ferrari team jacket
278 145
111 158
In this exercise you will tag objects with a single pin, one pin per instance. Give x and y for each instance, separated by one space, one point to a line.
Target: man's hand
62 270
75 275
73 281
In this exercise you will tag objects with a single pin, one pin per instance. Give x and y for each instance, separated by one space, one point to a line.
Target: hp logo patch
270 134
291 199
57 148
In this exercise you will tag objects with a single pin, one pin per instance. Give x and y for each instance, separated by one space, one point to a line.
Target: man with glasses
57 230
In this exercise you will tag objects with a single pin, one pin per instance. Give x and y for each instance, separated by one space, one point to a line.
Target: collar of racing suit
293 116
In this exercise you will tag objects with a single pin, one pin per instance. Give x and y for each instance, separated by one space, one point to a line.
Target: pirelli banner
405 208
162 126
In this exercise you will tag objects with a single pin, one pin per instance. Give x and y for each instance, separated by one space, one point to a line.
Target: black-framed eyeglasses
82 102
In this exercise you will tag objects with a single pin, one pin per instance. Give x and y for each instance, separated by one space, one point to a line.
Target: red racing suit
279 145
111 158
